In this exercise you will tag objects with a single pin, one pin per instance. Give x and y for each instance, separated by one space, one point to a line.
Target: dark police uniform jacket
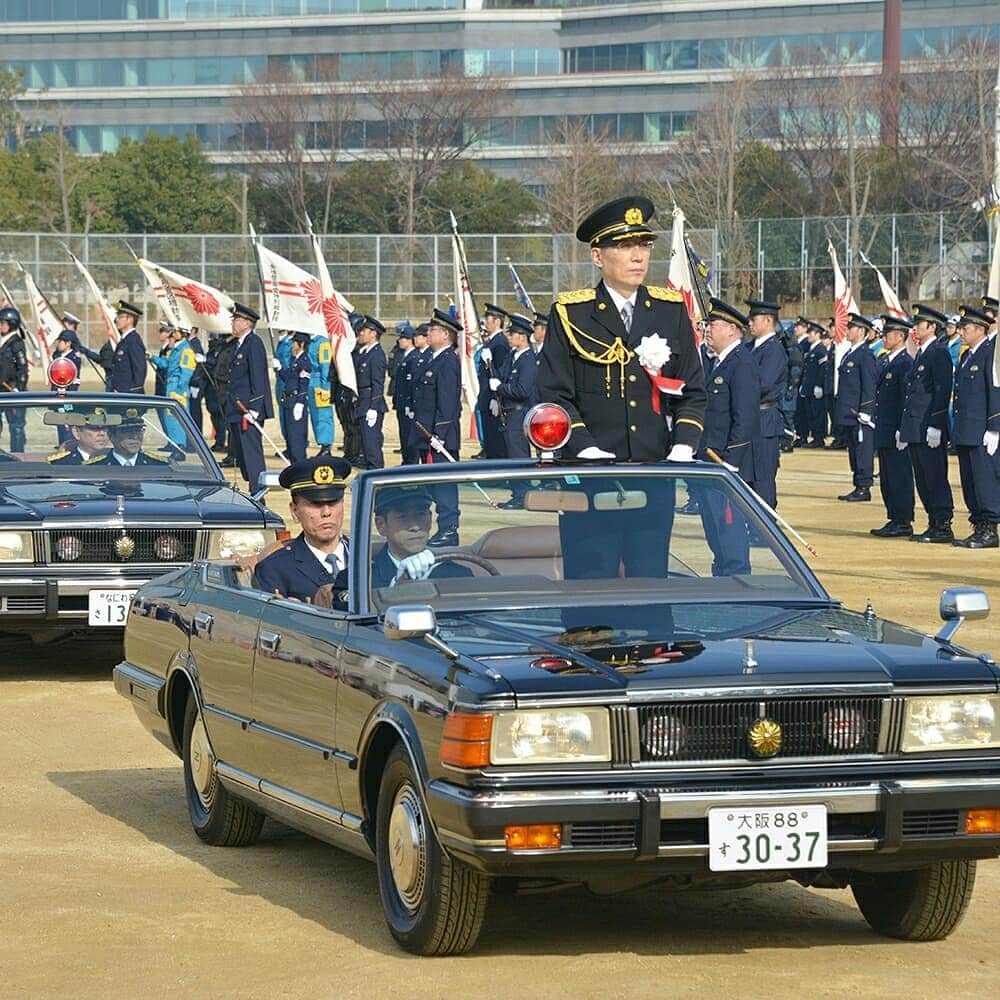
928 392
402 384
772 365
437 401
293 571
890 392
13 364
590 368
295 388
518 382
856 391
248 380
199 380
384 569
128 374
500 350
109 459
813 370
732 413
977 401
371 366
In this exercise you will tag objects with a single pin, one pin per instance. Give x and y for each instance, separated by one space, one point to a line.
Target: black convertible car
607 692
102 493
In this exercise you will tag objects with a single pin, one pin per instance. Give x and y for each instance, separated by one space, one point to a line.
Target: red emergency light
62 373
547 427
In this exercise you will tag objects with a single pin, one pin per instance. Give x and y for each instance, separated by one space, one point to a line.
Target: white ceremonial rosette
653 353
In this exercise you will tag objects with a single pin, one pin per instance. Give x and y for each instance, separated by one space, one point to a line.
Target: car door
295 670
223 622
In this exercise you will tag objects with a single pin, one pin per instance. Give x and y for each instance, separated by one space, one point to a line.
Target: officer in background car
370 366
128 371
856 407
976 429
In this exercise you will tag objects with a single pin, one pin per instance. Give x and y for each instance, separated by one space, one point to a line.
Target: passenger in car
317 558
403 519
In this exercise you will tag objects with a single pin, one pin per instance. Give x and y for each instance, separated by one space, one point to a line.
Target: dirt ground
105 890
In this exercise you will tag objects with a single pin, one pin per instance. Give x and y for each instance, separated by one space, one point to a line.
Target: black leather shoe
220 448
445 537
893 529
858 493
324 450
937 533
229 463
813 444
514 503
691 507
983 537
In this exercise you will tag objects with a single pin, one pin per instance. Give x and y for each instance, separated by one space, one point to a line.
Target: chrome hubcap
202 763
408 846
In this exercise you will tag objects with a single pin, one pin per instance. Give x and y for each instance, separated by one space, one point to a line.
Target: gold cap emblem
124 547
764 737
323 475
633 217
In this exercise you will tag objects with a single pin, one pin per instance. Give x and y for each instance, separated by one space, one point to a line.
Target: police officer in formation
320 397
128 372
772 364
215 391
858 372
794 346
402 394
492 358
895 471
540 326
13 371
924 424
178 367
370 366
800 340
516 388
199 380
813 387
437 413
293 396
976 429
249 396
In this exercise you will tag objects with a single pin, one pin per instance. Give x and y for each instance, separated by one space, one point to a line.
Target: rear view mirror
620 500
409 621
556 501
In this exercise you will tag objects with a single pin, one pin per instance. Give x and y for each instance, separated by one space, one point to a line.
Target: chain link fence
938 258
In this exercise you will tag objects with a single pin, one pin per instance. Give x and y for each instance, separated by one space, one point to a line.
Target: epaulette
664 294
56 456
579 295
92 459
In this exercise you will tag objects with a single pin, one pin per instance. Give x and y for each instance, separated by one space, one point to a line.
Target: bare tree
292 134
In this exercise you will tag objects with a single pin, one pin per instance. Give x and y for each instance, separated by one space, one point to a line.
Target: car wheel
434 904
218 817
925 904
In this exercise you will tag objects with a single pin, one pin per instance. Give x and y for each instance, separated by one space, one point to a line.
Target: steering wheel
469 558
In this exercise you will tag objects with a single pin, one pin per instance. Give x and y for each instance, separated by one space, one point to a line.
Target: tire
218 817
925 904
433 904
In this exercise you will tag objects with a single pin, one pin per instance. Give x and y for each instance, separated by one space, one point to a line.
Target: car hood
697 646
47 503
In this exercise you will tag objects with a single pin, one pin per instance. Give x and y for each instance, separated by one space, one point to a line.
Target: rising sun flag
185 302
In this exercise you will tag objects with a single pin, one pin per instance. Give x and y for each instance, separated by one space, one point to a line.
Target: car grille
601 836
931 823
102 546
719 730
15 605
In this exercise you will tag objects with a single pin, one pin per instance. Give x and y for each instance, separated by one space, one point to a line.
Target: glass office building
106 69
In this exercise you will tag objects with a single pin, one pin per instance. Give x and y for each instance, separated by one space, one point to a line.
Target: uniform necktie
627 316
713 360
334 563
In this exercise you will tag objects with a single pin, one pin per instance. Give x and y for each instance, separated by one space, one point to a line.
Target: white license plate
109 607
757 837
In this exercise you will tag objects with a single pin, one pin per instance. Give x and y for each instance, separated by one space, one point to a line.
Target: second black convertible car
590 687
100 494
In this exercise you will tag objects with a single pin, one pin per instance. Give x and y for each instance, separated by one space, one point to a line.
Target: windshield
87 438
546 537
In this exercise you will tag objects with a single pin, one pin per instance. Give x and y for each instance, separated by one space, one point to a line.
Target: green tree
482 201
20 181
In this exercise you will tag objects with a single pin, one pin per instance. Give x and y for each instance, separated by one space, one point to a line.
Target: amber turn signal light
533 836
466 740
982 821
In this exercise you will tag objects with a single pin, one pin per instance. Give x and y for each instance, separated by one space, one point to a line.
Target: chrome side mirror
409 621
266 481
959 603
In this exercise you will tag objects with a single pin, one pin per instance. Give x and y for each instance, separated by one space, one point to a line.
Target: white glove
861 433
990 441
900 445
195 391
731 468
371 416
866 419
436 443
594 452
415 567
303 374
253 415
818 391
494 408
200 358
933 437
298 411
494 384
276 364
487 355
682 453
408 413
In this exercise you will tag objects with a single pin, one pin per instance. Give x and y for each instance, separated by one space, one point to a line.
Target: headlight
952 723
551 736
238 542
16 547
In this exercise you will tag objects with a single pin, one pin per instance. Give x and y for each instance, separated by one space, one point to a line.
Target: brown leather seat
532 550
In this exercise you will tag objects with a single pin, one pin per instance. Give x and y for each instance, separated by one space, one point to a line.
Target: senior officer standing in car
318 557
128 370
249 394
976 429
856 406
621 357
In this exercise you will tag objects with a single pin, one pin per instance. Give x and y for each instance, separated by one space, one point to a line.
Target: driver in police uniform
317 558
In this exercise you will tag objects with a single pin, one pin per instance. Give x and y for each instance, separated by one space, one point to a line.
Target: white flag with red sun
188 303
